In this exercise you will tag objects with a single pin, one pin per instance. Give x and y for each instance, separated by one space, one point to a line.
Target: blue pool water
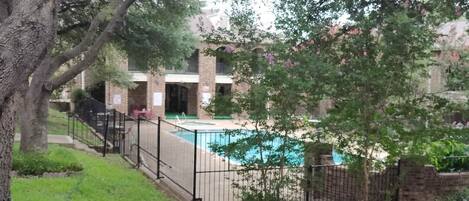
207 141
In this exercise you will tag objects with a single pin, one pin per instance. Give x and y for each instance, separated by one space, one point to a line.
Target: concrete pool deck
215 175
213 124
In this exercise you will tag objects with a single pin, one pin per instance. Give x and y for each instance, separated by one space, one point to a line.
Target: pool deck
215 174
214 124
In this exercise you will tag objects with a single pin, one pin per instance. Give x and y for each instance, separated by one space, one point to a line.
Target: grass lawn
102 179
57 123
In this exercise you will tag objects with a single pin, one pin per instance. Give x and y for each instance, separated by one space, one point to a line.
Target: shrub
77 95
57 159
445 155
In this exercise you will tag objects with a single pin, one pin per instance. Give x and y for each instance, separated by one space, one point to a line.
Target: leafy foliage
56 160
447 155
78 95
370 65
155 34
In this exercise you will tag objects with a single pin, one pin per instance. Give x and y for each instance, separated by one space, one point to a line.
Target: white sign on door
157 99
117 99
206 98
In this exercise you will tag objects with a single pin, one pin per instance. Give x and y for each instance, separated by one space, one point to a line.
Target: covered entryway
181 99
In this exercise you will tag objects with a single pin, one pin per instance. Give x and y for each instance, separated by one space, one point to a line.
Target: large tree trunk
33 115
27 29
7 122
35 104
33 107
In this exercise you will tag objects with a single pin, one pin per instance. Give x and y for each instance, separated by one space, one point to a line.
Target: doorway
137 97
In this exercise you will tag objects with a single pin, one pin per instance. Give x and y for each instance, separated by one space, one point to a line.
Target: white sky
263 8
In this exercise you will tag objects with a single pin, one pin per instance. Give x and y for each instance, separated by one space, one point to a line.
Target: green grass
55 160
56 123
102 179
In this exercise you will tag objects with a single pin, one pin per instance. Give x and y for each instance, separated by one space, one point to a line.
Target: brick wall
156 85
206 80
114 93
337 183
424 183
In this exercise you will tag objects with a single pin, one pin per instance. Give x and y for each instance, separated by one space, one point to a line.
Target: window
191 67
135 64
222 66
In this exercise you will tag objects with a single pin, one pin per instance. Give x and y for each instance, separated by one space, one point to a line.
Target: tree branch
78 49
72 27
25 37
92 52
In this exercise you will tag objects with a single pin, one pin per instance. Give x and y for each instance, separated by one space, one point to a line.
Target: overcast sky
262 7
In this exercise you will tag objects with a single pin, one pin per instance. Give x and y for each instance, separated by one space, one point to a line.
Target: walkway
63 140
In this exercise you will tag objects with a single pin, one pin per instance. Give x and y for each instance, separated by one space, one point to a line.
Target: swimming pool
208 139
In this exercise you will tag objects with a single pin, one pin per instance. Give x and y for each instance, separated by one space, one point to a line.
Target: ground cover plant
57 159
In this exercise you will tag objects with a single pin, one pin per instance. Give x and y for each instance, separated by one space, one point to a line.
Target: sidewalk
63 140
53 139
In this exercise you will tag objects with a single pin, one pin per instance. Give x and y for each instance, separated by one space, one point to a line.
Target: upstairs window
191 67
222 66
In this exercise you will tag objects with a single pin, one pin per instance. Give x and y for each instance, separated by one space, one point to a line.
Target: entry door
177 99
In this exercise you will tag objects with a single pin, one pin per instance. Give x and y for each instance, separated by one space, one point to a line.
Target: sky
263 8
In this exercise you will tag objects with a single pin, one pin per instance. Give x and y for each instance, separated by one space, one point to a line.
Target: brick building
185 91
175 91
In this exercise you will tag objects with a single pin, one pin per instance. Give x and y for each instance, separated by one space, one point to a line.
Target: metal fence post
158 149
194 197
73 127
68 124
114 129
138 142
308 187
105 135
123 135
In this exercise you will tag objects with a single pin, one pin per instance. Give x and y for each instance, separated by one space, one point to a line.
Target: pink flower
455 56
288 64
406 4
343 61
423 12
270 58
229 49
333 30
354 31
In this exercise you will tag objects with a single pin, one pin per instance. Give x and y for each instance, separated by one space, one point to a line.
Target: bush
448 155
57 159
459 196
77 95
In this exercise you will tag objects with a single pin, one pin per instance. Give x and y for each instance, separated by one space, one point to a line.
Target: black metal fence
79 130
184 160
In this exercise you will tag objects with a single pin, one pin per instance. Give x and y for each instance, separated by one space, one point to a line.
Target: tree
268 149
377 60
26 31
154 31
370 65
